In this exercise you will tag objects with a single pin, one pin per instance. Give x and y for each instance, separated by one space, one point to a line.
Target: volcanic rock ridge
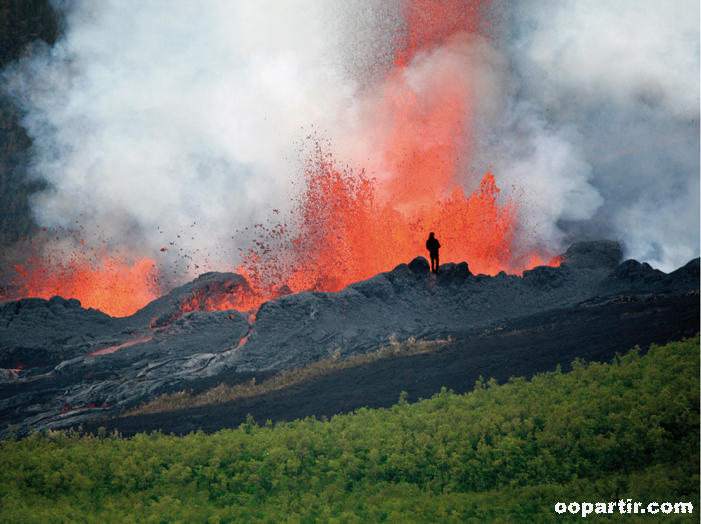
61 364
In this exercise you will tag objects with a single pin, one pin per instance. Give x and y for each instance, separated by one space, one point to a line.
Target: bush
628 429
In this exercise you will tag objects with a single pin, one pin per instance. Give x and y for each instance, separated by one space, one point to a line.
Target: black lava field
62 365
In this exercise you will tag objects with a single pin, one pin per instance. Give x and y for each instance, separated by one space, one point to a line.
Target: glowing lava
98 278
221 297
346 226
428 23
113 349
342 233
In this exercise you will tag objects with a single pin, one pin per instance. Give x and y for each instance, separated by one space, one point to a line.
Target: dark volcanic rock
518 348
593 254
687 275
632 271
452 275
419 265
77 365
35 332
546 277
63 362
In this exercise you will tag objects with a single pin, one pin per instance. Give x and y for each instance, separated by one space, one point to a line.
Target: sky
154 118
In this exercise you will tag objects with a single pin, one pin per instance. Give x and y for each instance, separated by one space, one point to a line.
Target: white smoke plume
624 76
154 116
150 116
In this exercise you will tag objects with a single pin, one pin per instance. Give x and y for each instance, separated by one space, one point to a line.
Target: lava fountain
59 263
346 225
341 231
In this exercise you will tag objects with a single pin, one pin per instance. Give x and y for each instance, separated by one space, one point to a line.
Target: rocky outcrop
62 364
592 254
634 272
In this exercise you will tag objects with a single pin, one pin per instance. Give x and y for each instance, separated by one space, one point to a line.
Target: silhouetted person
432 245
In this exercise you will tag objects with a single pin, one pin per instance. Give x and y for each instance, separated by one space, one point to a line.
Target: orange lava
428 23
217 298
114 349
96 277
346 226
342 233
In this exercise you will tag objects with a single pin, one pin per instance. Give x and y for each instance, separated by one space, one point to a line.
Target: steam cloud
625 76
161 114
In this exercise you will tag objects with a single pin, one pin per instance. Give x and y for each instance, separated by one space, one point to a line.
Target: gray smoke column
151 116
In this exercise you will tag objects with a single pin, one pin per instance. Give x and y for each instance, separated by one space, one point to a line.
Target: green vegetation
509 453
285 378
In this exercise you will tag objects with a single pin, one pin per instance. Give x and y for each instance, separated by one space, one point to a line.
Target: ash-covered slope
62 364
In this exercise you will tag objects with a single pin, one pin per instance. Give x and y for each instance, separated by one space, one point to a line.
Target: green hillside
510 453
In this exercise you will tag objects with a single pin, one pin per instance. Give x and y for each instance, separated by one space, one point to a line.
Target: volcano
62 365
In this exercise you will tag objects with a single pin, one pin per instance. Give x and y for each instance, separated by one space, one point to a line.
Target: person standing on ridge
432 245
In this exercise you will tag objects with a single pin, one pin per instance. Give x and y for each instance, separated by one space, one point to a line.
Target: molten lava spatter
222 297
429 22
347 226
342 232
54 265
